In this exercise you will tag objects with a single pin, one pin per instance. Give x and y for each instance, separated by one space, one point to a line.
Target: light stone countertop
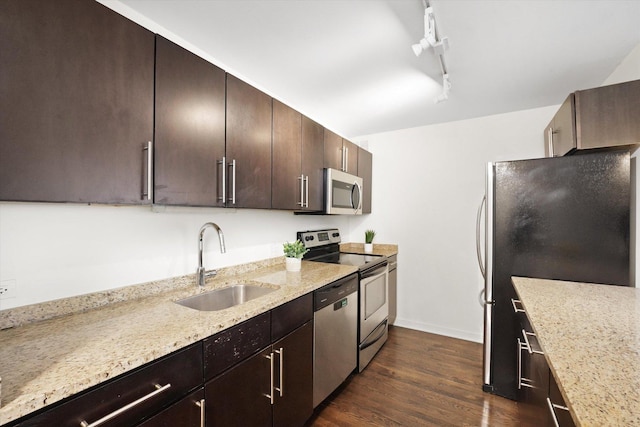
590 335
378 249
44 361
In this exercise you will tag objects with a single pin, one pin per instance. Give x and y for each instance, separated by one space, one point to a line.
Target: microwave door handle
359 187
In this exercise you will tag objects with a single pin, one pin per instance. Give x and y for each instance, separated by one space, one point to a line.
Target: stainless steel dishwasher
335 335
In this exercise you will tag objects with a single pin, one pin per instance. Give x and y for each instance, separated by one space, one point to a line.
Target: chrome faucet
201 274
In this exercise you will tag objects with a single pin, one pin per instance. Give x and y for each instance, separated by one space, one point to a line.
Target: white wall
60 250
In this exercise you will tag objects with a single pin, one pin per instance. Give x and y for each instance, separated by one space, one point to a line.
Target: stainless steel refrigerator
564 218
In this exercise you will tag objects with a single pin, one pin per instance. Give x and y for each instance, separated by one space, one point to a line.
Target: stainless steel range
373 290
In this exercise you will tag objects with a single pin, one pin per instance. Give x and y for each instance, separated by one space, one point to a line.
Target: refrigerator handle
478 226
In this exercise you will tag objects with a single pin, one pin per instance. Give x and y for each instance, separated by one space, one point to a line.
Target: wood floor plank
418 379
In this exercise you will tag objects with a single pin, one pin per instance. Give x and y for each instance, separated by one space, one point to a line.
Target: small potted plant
368 241
293 253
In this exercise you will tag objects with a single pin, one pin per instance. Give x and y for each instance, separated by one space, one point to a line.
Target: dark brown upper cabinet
190 128
601 117
312 163
333 150
340 153
365 169
248 150
288 183
298 153
76 103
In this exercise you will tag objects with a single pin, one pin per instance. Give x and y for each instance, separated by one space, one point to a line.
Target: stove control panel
317 238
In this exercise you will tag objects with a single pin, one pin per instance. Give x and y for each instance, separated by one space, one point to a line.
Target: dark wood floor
418 379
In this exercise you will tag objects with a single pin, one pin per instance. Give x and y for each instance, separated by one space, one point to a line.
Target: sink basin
219 299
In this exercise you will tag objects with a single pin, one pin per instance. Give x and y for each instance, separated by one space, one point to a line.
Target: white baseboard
439 330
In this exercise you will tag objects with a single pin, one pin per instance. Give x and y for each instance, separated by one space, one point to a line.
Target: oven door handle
381 328
374 274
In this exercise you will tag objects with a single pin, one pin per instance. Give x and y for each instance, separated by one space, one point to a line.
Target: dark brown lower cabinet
273 387
188 412
534 388
163 382
293 403
238 397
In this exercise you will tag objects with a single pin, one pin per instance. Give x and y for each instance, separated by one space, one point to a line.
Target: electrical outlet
8 289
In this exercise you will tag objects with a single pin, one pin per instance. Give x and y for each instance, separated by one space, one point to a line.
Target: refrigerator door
564 218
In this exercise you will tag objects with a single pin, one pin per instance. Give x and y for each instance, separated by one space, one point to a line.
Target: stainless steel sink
219 299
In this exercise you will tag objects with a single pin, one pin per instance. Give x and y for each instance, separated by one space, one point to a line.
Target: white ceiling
348 64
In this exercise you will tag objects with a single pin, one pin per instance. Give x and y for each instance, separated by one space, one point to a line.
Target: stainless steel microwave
343 193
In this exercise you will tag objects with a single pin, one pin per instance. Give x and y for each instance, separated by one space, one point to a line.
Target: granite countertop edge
95 337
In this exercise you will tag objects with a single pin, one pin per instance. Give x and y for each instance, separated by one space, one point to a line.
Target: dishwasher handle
335 291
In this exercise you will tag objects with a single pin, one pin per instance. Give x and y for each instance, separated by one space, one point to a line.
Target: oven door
374 299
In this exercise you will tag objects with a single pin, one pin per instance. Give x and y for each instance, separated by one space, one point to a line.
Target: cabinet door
249 145
313 162
238 397
608 116
184 413
365 171
76 103
350 157
287 182
332 150
190 127
564 128
294 368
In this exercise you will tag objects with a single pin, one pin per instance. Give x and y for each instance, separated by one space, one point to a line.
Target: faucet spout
201 274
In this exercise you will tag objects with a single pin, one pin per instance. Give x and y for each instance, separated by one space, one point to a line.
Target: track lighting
446 85
439 45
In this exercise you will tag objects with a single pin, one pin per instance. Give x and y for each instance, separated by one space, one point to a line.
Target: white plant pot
368 248
293 264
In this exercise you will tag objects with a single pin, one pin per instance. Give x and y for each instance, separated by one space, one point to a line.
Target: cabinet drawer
291 315
169 378
187 412
225 349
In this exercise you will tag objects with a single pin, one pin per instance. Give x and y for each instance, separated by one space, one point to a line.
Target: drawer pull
159 389
530 349
515 307
552 408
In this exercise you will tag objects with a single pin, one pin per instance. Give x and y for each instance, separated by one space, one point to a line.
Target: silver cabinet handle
159 389
270 396
147 192
223 163
478 222
200 404
550 142
233 184
306 180
346 159
515 308
301 202
281 354
530 349
552 409
522 382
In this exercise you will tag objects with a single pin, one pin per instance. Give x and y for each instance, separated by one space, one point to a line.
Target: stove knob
336 234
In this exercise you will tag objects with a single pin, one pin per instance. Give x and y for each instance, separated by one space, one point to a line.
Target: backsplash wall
55 251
